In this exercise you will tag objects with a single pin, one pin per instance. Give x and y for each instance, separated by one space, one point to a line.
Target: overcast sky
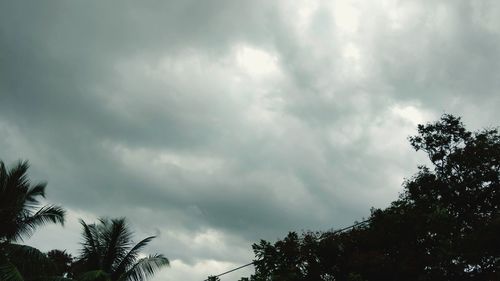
213 124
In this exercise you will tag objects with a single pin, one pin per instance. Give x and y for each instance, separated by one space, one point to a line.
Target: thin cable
335 232
351 226
229 271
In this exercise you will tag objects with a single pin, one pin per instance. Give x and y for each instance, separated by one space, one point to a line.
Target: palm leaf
91 251
45 215
94 275
8 271
107 247
131 256
3 176
145 268
35 191
17 179
88 237
117 240
29 260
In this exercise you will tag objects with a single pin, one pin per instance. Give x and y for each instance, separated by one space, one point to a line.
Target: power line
229 271
351 226
335 232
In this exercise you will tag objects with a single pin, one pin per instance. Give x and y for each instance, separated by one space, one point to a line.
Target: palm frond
8 271
35 191
25 252
29 260
117 240
45 215
91 250
145 268
88 237
62 261
3 176
17 177
94 275
109 242
131 256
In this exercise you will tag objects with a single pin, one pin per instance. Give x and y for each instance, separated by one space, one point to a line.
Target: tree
62 262
444 226
108 253
21 214
20 211
460 196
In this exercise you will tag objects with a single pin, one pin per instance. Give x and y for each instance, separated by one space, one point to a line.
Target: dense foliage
444 226
108 252
21 214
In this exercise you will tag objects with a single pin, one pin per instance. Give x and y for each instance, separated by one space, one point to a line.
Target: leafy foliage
8 271
30 262
21 214
61 261
445 225
20 211
108 253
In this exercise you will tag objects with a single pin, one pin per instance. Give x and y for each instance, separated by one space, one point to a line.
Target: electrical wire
334 232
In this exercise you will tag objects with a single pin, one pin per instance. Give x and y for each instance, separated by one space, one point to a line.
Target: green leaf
8 271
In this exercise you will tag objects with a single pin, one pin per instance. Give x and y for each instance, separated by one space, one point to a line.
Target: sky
214 124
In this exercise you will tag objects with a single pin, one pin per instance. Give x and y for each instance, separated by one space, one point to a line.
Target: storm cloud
213 124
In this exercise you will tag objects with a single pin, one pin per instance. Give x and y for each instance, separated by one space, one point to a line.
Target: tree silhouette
108 253
444 226
20 211
62 262
21 214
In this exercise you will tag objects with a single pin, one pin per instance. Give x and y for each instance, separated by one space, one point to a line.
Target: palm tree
108 253
62 262
21 214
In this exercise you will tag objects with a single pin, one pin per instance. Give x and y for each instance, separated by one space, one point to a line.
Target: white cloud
256 62
347 15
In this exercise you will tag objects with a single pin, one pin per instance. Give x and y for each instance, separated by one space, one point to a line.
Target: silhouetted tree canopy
108 252
21 214
62 261
444 226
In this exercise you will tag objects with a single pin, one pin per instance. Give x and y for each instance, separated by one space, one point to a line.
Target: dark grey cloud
214 124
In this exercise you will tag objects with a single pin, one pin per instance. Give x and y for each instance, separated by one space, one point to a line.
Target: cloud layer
217 123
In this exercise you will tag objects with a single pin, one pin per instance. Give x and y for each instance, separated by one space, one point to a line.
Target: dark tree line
444 226
107 253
